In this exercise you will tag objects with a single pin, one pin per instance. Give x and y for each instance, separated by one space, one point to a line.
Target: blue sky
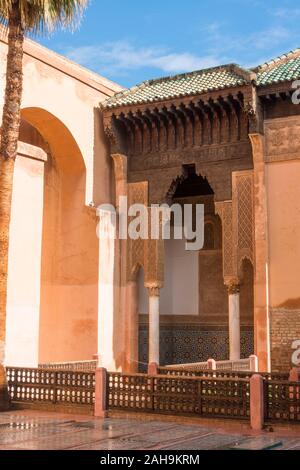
130 41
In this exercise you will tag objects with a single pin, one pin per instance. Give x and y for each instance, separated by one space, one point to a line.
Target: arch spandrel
237 218
146 253
60 140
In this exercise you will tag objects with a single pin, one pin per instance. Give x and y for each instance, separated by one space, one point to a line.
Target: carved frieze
282 137
208 153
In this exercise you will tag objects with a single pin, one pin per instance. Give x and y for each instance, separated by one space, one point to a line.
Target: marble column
234 321
153 325
132 328
107 255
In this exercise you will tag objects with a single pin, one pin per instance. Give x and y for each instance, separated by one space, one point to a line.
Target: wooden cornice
216 95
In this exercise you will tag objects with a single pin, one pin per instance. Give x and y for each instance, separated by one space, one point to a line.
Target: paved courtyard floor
28 430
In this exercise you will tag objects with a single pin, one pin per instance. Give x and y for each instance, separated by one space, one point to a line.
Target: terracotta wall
69 277
284 233
54 249
283 190
24 272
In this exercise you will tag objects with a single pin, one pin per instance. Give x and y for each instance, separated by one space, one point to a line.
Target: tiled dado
184 344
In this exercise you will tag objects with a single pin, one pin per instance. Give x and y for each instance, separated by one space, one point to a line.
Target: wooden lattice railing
215 394
57 387
245 365
230 374
79 366
227 398
282 401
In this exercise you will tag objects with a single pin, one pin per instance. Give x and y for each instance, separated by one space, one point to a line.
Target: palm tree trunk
8 152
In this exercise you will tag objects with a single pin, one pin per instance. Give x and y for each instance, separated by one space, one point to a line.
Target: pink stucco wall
284 233
53 258
25 263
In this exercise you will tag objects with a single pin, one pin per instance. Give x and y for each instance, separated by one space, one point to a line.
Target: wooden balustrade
282 401
79 366
208 393
56 387
226 374
209 397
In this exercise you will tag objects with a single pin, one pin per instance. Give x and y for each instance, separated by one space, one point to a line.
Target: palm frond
39 16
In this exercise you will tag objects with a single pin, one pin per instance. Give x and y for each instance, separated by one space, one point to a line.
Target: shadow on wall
69 275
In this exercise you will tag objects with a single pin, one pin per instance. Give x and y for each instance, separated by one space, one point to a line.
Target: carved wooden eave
138 128
113 136
280 90
215 95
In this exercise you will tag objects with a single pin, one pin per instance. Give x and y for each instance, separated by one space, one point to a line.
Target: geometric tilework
180 344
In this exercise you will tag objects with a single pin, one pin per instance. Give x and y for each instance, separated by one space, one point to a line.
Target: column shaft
153 326
234 323
132 328
106 233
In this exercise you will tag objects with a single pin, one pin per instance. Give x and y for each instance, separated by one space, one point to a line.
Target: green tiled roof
187 84
281 69
284 68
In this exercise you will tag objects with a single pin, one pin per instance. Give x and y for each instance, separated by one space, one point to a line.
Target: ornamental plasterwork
238 233
282 138
243 215
237 225
148 254
224 210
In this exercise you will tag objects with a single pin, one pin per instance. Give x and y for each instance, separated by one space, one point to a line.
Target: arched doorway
201 332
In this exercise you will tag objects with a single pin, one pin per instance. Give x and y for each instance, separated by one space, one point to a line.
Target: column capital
153 291
154 288
233 286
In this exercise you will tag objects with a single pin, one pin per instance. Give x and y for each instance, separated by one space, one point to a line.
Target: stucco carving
154 260
243 215
224 210
148 254
238 225
137 194
282 139
120 166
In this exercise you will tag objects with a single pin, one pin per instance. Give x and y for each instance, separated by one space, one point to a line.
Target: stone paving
25 430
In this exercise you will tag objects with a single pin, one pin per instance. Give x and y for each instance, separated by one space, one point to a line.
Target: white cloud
253 48
286 13
122 56
219 39
218 44
270 37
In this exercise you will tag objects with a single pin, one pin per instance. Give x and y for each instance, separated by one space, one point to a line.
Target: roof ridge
229 67
283 68
281 59
235 70
127 91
